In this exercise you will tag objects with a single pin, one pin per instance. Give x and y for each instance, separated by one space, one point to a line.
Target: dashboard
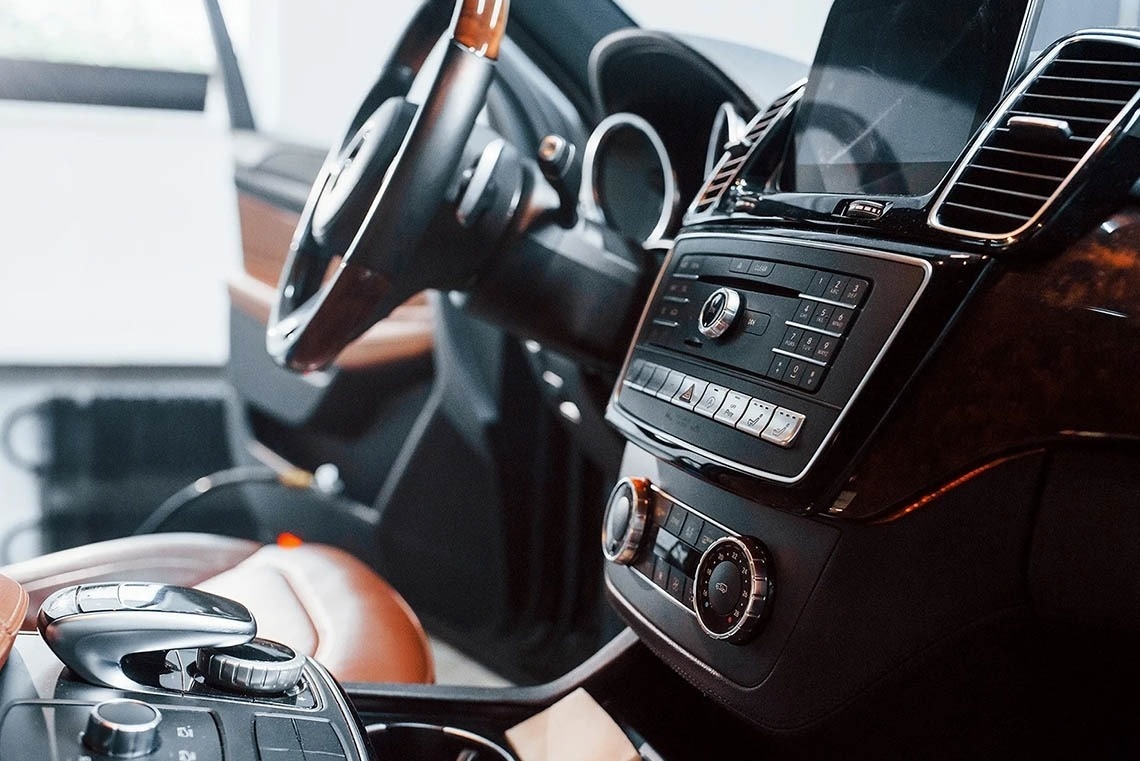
855 394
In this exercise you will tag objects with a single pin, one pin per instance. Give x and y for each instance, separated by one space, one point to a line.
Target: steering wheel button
784 427
671 385
711 401
756 417
690 393
733 408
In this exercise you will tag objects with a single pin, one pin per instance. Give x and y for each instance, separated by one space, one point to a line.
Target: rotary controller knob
627 514
718 314
733 588
122 729
259 667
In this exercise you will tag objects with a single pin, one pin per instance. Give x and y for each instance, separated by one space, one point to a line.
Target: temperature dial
627 514
733 588
720 310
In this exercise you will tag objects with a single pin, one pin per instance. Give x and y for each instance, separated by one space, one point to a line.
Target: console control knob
733 588
719 312
627 514
259 667
122 729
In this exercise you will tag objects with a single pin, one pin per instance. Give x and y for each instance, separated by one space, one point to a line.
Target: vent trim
1051 185
732 161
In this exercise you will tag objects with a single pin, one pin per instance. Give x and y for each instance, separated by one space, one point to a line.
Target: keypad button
840 320
778 367
822 316
792 338
756 417
796 369
812 378
836 288
826 348
679 288
740 266
819 283
784 427
711 401
733 408
805 311
808 343
691 391
855 292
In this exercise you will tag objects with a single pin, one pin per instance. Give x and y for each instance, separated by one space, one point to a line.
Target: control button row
823 316
680 537
841 289
756 417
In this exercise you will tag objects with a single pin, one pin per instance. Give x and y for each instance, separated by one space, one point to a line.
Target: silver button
784 428
711 401
671 386
691 391
756 417
733 408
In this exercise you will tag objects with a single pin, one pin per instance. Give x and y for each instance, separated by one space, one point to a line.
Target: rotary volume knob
719 312
122 729
259 667
627 514
733 588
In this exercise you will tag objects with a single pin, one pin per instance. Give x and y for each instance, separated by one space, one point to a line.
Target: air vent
734 158
1044 132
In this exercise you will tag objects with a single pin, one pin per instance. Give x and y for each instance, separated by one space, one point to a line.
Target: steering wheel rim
316 315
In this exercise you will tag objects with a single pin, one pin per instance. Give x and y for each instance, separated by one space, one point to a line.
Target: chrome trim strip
998 120
588 195
801 357
729 123
617 409
814 329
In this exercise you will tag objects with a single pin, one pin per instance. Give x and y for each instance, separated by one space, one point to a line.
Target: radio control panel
753 348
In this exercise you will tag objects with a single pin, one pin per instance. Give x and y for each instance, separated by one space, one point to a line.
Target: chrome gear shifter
93 627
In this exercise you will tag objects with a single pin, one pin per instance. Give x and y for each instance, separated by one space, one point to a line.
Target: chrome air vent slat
1061 115
732 161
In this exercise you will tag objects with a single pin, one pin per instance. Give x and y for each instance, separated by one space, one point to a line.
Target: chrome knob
259 667
720 310
733 588
627 514
122 729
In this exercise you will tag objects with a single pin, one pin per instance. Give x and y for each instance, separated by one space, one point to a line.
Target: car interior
717 404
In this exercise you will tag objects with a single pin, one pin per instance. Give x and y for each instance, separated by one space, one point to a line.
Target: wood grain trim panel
266 232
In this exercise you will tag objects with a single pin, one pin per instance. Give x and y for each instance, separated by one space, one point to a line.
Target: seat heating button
756 417
733 408
711 401
690 393
671 386
783 428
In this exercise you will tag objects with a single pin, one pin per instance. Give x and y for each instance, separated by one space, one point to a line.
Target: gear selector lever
93 627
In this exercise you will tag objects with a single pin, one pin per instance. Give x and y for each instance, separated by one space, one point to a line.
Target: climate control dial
733 588
627 514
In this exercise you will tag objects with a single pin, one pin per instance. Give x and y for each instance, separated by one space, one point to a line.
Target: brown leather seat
315 598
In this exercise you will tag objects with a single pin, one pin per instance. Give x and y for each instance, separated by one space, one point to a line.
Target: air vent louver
1048 129
732 161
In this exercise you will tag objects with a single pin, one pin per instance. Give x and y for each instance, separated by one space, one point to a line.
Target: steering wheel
375 198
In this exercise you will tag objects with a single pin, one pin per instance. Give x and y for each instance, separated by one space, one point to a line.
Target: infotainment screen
897 89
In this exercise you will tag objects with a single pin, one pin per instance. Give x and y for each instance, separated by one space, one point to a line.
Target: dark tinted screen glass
896 91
